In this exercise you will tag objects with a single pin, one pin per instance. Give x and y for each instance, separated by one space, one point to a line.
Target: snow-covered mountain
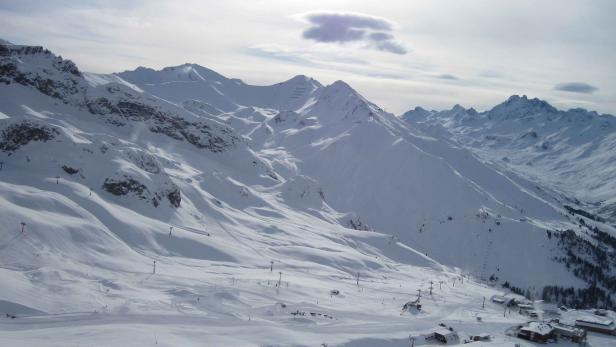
181 195
570 151
428 193
189 82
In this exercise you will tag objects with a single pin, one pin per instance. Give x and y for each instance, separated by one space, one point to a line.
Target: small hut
502 300
480 337
446 335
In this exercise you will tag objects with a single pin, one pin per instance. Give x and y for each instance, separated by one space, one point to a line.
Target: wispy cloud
299 55
324 59
279 52
576 87
447 77
341 28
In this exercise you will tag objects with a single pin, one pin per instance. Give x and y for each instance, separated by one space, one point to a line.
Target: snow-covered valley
180 207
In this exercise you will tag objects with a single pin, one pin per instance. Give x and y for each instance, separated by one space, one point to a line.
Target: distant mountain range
570 151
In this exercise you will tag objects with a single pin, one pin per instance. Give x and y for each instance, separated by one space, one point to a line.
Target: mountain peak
299 78
417 113
196 71
516 97
458 108
525 101
341 87
302 79
185 72
520 106
342 91
340 99
341 84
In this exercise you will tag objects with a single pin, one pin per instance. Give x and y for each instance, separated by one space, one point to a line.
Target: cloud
279 52
333 27
447 77
576 87
323 59
301 55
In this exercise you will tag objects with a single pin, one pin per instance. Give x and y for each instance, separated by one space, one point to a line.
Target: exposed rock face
69 170
20 134
145 161
357 224
175 198
62 81
128 185
199 134
114 102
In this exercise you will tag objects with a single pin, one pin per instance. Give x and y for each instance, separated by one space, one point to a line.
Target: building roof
598 323
501 299
571 330
538 328
445 332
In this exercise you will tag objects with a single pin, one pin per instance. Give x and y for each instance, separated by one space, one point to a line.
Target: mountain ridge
556 140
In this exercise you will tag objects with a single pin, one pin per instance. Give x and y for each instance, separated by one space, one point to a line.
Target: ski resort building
605 326
503 300
445 335
526 307
569 332
541 331
537 332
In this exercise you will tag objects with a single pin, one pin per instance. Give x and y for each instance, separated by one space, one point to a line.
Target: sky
397 53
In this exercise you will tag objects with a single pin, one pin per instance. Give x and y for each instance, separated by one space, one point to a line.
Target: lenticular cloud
341 28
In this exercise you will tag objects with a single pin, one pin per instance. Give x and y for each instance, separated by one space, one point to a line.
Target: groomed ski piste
134 213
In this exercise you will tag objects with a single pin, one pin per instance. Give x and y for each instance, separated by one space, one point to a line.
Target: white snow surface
287 192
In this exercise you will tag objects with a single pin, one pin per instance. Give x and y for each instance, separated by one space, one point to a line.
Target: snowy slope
104 180
433 196
172 207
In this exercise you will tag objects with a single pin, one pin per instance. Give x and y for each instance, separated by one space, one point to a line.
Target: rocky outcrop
60 80
130 186
215 138
20 134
